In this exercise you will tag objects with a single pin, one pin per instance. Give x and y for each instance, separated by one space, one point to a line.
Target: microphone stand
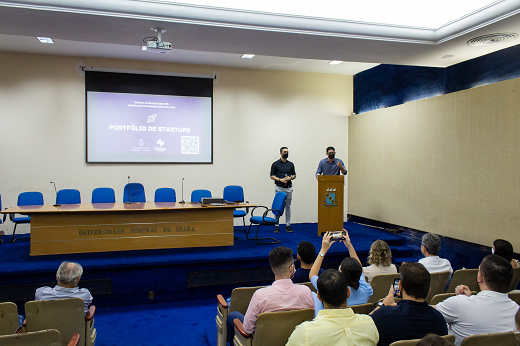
128 193
57 201
182 192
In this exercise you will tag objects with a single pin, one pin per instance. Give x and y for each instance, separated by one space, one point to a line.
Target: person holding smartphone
412 317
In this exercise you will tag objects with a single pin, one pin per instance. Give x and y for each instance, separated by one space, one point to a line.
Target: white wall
42 133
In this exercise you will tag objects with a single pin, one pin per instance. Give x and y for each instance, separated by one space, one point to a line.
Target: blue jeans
231 326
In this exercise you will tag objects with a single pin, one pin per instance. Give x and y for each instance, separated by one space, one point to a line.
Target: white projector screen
149 126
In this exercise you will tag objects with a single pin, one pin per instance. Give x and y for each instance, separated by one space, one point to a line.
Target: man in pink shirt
282 295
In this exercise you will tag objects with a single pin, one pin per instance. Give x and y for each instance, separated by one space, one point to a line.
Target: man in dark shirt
331 165
412 317
306 255
282 172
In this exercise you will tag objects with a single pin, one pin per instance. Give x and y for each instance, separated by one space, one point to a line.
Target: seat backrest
502 339
449 338
103 195
49 337
134 192
8 318
68 196
240 298
30 198
466 277
165 194
279 203
65 315
381 285
275 328
234 193
514 296
440 298
198 195
437 284
364 309
514 281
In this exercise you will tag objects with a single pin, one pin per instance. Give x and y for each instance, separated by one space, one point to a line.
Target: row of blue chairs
133 192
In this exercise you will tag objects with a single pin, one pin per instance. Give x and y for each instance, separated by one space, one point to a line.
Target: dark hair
503 248
432 243
307 252
282 148
330 148
280 259
352 270
497 272
433 340
415 280
333 288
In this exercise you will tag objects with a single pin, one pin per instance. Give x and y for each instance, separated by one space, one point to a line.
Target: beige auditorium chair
363 309
492 339
449 338
240 298
272 328
65 315
516 279
514 296
8 318
49 337
381 286
443 296
437 284
466 277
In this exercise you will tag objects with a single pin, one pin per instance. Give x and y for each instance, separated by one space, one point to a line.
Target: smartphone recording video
397 292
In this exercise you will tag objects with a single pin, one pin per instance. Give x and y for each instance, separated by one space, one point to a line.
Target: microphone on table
56 190
128 193
182 192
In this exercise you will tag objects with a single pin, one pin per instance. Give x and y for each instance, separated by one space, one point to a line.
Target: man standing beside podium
282 172
331 165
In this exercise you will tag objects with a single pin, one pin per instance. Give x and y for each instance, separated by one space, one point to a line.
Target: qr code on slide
189 145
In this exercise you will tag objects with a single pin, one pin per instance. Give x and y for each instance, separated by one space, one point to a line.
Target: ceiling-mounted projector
155 45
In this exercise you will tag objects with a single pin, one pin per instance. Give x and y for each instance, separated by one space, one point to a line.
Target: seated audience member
306 254
282 295
337 324
430 246
380 260
433 340
68 276
490 311
503 248
360 290
412 317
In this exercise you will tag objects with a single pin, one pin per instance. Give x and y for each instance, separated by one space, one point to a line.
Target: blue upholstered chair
68 196
134 193
267 218
25 198
103 195
198 195
165 194
235 193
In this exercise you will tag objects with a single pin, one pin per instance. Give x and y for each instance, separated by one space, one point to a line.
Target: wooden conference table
101 227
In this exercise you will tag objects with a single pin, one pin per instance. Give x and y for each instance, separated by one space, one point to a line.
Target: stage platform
168 275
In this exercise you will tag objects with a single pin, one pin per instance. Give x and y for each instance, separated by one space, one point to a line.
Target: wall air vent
486 40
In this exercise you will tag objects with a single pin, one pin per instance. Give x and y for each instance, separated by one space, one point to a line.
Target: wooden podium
330 203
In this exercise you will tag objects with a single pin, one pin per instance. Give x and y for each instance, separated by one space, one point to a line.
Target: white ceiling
216 36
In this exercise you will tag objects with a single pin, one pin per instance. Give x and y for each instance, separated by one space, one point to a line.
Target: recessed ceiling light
247 56
335 62
447 56
45 40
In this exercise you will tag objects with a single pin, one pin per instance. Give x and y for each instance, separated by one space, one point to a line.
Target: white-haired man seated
68 276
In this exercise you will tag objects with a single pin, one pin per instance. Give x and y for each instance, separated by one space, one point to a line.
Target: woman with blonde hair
380 260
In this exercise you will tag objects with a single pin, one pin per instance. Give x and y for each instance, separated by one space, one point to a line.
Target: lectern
330 203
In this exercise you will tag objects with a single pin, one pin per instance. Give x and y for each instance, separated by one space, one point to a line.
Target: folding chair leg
274 241
247 233
14 230
244 221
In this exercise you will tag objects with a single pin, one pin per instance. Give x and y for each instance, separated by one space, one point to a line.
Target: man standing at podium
331 165
282 172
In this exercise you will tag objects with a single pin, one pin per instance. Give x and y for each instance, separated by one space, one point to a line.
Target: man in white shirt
68 276
490 311
430 246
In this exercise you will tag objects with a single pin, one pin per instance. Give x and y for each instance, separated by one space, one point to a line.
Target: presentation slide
143 128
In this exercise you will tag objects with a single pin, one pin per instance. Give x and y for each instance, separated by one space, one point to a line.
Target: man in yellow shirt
337 324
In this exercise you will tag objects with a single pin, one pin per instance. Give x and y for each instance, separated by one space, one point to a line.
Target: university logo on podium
330 198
